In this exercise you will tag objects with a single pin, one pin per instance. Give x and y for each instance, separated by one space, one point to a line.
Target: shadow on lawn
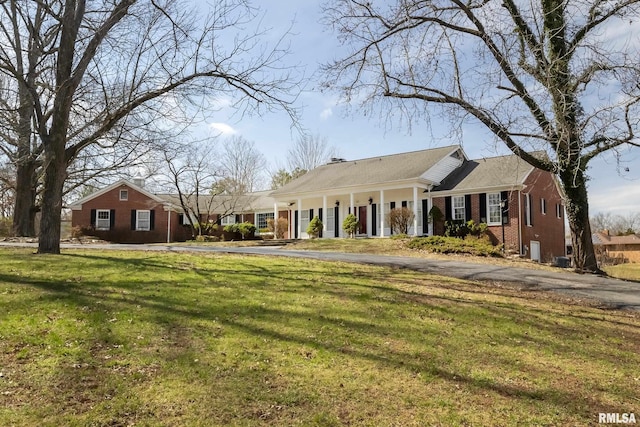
170 311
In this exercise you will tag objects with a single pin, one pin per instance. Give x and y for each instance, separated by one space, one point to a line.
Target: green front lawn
96 338
624 271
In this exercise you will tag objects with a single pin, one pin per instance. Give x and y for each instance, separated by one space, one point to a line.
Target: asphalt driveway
617 294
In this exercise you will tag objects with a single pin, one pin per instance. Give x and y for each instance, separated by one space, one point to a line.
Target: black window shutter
152 219
404 203
483 207
425 216
531 210
93 217
320 218
133 219
374 220
237 218
112 218
310 214
467 207
504 196
447 208
392 205
295 224
180 218
336 221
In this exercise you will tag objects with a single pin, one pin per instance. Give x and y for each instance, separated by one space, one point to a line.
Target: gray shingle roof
259 200
374 170
500 171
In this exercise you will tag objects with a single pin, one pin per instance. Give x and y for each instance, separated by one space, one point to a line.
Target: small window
263 218
543 206
558 210
143 220
494 206
527 210
124 195
228 220
103 219
458 208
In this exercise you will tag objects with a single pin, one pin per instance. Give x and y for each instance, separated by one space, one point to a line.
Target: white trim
138 219
126 197
98 219
78 205
489 205
454 207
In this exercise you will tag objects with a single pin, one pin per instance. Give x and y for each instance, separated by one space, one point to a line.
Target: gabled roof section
374 170
502 171
78 204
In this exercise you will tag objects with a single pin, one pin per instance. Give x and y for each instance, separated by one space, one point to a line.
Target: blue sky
357 136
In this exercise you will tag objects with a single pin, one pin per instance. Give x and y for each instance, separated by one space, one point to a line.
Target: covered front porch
371 208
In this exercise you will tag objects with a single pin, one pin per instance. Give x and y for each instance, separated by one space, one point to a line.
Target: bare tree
243 167
191 173
536 74
106 68
309 152
616 224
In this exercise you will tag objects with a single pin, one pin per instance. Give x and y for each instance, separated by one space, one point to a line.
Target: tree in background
542 75
282 177
309 152
82 74
617 225
243 167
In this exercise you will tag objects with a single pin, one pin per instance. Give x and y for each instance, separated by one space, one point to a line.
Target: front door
535 250
362 219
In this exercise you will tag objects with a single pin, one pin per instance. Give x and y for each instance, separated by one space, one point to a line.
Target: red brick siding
547 229
121 231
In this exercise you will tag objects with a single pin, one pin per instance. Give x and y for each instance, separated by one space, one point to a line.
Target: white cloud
619 200
326 113
222 128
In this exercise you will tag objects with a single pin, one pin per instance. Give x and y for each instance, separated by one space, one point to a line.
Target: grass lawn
93 338
624 271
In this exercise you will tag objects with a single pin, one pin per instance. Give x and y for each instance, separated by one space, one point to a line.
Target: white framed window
228 220
330 222
263 218
124 195
494 209
103 219
558 210
543 206
527 210
143 220
458 208
304 220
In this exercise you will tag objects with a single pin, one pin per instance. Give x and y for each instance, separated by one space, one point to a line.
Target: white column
351 203
324 214
381 213
299 218
415 211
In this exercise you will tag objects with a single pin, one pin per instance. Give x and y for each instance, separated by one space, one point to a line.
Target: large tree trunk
54 178
575 188
24 212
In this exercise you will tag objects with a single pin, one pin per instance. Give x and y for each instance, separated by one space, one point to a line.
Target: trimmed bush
315 227
350 225
480 246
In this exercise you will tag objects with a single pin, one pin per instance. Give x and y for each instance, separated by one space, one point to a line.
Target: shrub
278 227
458 228
6 227
472 245
399 219
315 227
350 225
246 229
399 236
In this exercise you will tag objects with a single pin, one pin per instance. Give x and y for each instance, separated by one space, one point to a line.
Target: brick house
506 193
617 249
125 212
488 190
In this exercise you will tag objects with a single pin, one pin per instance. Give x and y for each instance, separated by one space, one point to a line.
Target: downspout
520 223
169 225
